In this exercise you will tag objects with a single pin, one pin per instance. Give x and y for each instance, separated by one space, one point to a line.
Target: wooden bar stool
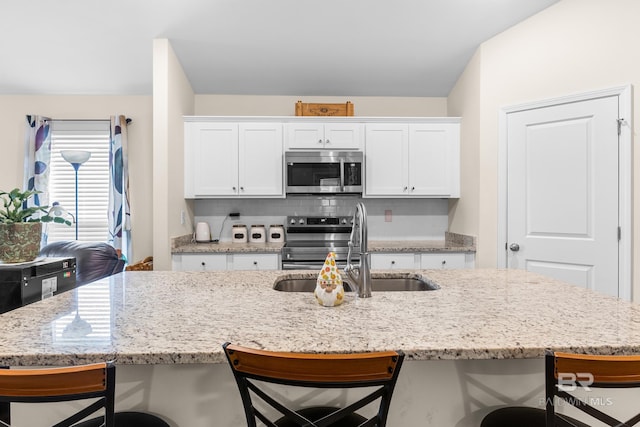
94 383
566 373
252 367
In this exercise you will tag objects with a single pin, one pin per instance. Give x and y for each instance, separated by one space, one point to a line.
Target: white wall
172 98
464 101
574 46
13 109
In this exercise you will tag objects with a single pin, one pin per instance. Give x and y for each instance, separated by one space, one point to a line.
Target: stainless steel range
311 238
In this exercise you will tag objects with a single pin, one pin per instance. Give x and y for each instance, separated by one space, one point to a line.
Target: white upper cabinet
211 159
233 159
412 160
244 156
260 159
386 162
324 136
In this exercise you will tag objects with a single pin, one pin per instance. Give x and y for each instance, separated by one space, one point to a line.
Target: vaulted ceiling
277 47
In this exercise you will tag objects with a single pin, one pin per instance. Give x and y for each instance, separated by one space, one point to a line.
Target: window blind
93 179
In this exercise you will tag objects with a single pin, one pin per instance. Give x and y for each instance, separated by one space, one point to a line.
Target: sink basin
379 284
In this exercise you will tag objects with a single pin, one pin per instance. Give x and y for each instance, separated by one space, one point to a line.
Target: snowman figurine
329 290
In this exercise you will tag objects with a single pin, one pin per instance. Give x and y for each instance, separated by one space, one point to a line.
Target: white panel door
562 208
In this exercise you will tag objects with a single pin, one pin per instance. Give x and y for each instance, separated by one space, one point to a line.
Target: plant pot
20 242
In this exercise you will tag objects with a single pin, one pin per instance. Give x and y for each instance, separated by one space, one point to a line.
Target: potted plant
20 231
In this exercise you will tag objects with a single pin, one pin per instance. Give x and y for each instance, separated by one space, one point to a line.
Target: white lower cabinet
446 261
204 262
217 262
425 261
255 262
391 261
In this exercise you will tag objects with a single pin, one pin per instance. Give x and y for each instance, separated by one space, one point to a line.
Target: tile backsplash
389 219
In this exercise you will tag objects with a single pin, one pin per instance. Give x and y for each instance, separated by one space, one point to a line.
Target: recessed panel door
562 204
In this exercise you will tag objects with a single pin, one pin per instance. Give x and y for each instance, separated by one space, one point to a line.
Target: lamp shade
77 157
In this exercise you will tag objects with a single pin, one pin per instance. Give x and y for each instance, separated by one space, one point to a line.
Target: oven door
311 255
323 172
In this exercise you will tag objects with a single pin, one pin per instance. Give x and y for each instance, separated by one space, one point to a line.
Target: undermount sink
380 284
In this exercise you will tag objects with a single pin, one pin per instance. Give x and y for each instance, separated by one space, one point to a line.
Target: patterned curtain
119 212
37 144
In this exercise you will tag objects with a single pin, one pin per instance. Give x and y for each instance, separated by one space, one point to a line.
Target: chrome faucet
361 273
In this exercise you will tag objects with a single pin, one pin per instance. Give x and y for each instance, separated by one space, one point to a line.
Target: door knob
514 247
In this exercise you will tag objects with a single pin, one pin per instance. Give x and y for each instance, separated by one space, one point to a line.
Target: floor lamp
76 158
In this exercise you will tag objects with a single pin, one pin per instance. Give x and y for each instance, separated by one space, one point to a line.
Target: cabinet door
211 159
204 262
343 136
386 160
434 160
260 159
255 262
305 135
393 261
324 136
444 261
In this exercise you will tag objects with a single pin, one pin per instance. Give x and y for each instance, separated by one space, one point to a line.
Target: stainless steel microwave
324 172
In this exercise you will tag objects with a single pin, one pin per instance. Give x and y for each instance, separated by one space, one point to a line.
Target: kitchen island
167 328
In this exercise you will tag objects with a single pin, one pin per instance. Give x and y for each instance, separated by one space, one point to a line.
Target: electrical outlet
182 218
387 215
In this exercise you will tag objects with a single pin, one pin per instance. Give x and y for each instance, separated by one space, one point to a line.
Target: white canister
239 233
276 233
257 234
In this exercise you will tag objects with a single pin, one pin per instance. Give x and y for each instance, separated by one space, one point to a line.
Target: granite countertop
184 317
451 243
227 247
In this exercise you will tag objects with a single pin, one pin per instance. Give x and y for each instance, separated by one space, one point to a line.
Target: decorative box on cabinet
233 159
324 136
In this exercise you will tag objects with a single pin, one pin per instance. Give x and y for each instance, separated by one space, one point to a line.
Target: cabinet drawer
443 261
208 262
255 262
393 261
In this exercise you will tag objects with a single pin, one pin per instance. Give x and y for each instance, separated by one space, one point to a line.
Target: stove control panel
319 221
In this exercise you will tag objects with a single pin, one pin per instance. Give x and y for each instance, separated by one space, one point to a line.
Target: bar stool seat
317 412
522 416
127 419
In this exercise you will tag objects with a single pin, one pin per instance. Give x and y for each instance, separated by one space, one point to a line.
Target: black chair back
251 368
567 373
94 383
